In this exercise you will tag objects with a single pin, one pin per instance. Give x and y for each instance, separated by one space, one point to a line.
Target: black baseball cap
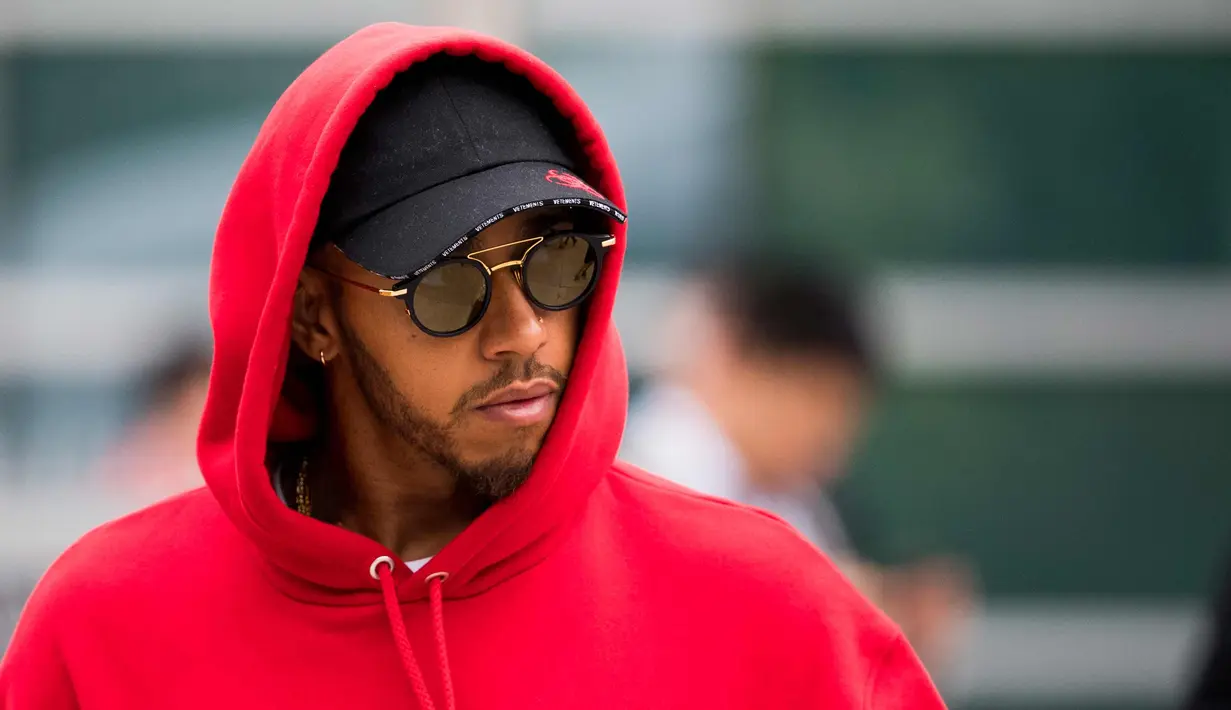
452 146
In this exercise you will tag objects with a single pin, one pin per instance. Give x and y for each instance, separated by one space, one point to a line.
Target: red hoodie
596 585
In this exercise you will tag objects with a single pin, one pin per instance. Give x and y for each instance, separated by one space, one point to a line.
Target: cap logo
571 181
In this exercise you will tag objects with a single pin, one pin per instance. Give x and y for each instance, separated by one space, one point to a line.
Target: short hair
186 363
786 306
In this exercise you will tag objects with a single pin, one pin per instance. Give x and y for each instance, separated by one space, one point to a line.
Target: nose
511 327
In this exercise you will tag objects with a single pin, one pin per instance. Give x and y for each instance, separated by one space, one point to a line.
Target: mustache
511 373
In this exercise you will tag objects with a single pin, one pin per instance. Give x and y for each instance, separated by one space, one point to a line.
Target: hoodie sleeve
34 674
899 682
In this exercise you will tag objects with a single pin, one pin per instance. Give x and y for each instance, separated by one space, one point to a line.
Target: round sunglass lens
450 297
560 270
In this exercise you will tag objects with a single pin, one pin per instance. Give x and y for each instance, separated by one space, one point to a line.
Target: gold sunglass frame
404 286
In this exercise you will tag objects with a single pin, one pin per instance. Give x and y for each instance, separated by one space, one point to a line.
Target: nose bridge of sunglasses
514 268
507 265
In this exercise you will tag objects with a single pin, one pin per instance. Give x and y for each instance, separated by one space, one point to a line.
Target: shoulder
706 521
88 598
781 601
703 515
753 551
781 605
167 527
141 550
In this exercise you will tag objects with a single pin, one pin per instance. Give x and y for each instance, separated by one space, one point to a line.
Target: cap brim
412 234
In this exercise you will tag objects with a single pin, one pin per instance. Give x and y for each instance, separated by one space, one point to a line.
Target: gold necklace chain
303 498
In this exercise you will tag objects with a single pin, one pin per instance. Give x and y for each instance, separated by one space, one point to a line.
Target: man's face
820 408
435 395
802 416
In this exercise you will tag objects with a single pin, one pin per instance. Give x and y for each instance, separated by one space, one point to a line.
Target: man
762 394
156 456
762 401
1212 689
418 506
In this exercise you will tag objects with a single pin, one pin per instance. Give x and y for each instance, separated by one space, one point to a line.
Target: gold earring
324 362
303 499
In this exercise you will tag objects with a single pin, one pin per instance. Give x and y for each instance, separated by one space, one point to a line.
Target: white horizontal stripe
97 326
176 21
1044 21
58 21
1048 651
1054 323
101 325
994 323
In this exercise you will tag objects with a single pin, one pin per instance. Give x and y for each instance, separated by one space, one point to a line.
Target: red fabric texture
596 585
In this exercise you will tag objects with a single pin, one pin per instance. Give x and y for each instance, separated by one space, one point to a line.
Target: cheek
429 382
824 432
795 426
563 335
427 372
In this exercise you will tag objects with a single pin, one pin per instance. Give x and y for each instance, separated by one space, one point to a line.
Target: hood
260 248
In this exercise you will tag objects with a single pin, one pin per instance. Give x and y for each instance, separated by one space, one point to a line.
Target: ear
314 321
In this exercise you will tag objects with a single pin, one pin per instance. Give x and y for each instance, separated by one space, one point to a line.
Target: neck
408 503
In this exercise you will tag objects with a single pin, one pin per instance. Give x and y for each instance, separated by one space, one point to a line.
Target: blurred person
156 457
763 395
409 441
1212 690
762 399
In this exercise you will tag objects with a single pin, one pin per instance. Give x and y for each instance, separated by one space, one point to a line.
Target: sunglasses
556 272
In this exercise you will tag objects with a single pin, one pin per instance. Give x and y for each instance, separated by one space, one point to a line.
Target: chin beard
495 479
489 481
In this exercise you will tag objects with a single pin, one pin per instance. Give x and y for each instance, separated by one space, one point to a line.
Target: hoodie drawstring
382 571
435 582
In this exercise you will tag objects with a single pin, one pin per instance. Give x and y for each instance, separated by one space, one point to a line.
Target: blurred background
1033 198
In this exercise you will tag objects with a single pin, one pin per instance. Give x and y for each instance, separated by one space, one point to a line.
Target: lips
522 404
519 392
